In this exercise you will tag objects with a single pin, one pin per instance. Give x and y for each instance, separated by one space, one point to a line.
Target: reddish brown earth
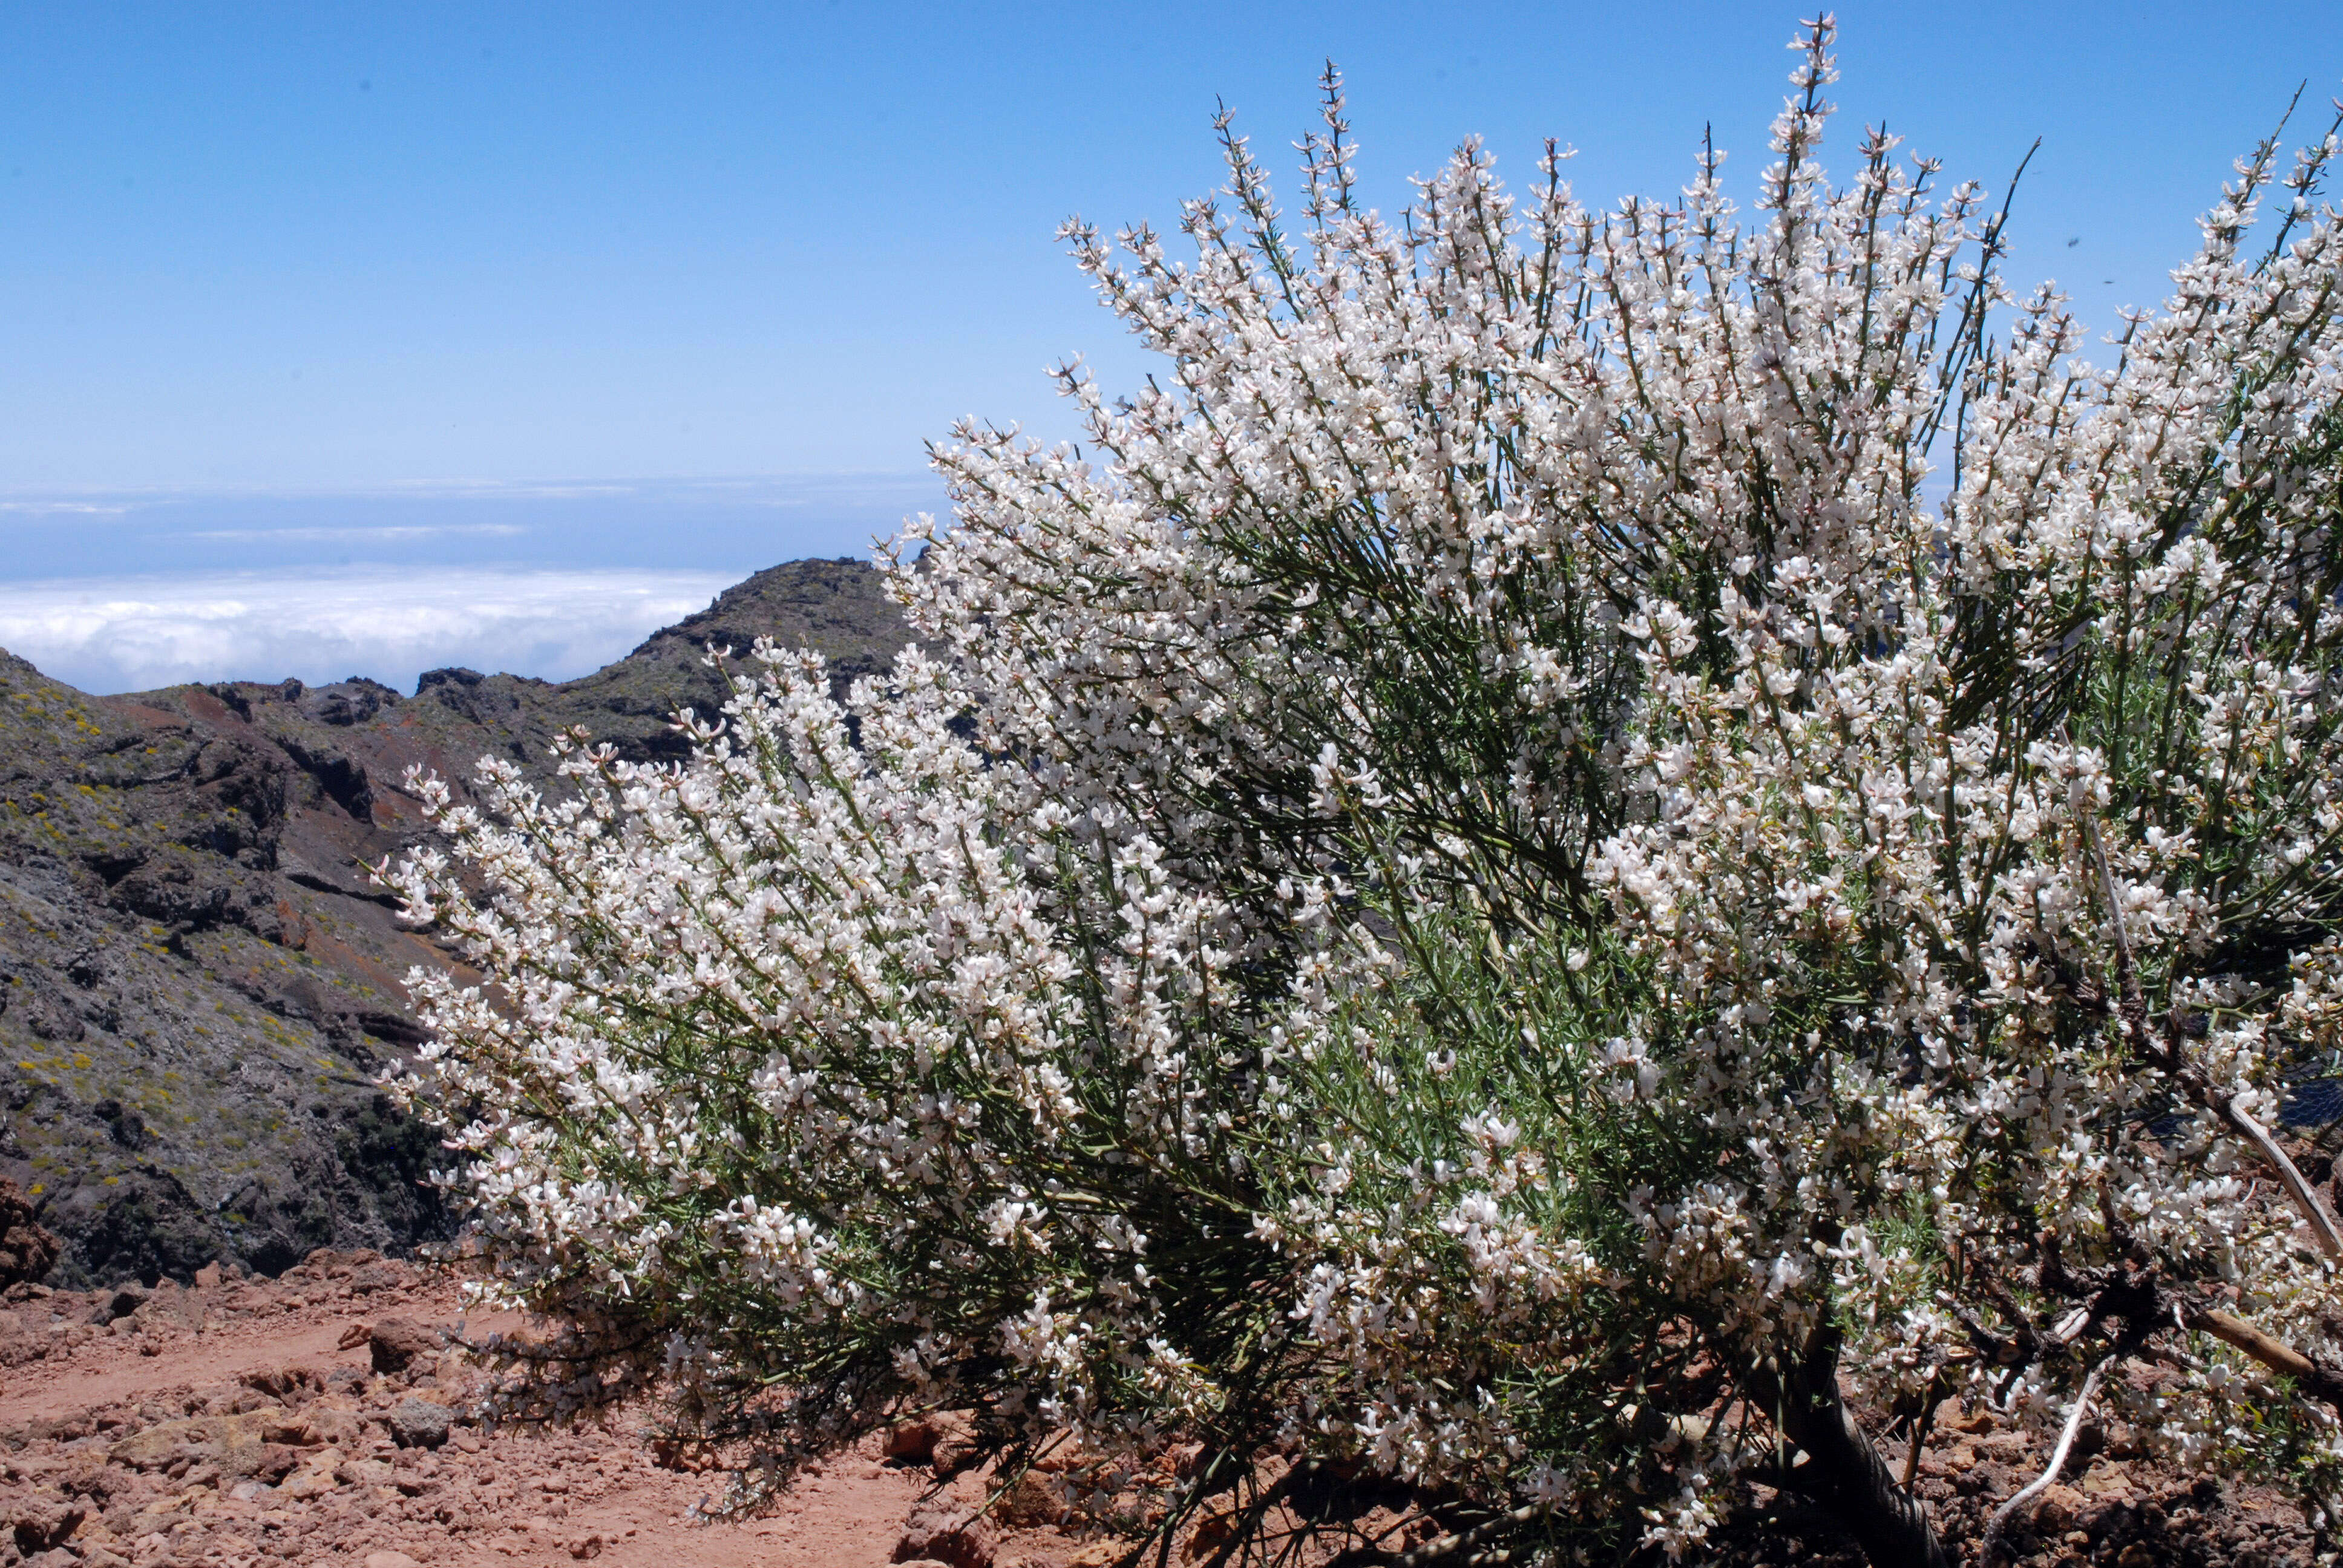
243 1421
250 1420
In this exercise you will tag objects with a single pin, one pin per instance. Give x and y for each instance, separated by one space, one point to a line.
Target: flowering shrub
1588 843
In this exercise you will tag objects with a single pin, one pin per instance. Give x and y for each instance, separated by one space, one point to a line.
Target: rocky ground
197 983
324 1418
2113 1507
321 1418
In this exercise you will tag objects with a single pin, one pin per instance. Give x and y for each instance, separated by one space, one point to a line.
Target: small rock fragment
340 1428
276 1381
289 1428
418 1423
396 1341
390 1560
377 1277
943 1530
1031 1502
2060 1508
914 1440
302 1485
40 1529
363 1472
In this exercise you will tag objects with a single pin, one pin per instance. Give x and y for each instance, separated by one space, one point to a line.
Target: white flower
1167 1005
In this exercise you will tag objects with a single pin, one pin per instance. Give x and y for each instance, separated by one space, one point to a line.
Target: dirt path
116 1374
245 1424
249 1422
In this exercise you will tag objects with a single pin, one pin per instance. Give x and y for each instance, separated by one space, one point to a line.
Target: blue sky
492 290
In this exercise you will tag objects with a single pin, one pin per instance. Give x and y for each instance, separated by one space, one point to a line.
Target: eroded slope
197 984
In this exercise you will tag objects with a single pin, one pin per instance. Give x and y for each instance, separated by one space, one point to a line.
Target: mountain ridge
197 984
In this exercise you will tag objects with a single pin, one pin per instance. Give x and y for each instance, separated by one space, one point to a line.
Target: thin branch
2322 1224
2315 1378
1445 1547
2026 1495
2134 1011
1920 1426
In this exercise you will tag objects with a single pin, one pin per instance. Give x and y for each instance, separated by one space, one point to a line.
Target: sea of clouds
391 624
129 590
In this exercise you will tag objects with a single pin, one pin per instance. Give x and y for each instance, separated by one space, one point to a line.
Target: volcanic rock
418 1423
397 1341
43 1529
28 1248
944 1530
198 980
1031 1502
914 1440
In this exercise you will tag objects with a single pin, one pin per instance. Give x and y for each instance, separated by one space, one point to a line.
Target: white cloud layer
357 536
133 634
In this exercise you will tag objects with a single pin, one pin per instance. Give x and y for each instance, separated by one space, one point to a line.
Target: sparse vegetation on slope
197 985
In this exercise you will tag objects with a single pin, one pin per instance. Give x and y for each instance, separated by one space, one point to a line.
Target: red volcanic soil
245 1421
321 1418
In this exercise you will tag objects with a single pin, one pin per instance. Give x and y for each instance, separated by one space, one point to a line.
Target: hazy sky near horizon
298 292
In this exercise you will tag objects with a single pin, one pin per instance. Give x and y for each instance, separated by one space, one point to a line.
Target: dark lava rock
839 609
199 981
417 1423
346 702
28 1248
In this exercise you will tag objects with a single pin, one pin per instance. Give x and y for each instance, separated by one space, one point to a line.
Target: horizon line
65 497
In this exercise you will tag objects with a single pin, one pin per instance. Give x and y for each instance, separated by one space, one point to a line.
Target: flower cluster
1588 843
824 1054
